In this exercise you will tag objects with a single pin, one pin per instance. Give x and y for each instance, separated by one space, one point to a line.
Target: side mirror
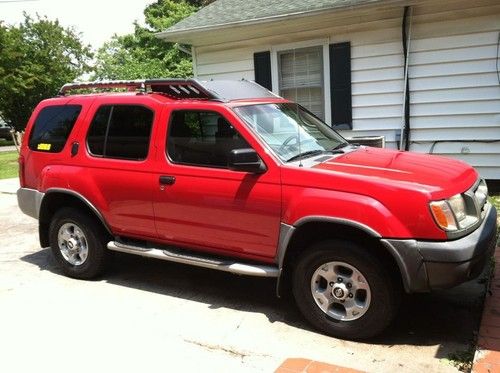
246 160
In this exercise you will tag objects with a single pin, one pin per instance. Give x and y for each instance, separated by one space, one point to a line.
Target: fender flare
407 263
83 199
287 231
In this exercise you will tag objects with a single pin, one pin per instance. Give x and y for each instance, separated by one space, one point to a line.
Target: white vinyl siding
454 89
300 74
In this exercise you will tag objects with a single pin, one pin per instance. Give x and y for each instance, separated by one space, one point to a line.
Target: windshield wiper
305 154
335 150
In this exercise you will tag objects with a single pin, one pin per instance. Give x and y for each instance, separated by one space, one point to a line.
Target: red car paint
237 213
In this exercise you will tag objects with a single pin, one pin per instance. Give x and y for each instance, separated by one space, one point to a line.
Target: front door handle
167 180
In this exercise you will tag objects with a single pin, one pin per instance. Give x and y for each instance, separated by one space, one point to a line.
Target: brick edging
487 355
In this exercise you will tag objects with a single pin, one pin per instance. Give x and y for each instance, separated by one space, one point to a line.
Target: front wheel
345 291
78 243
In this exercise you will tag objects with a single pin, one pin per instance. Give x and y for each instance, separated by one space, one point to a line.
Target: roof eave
175 36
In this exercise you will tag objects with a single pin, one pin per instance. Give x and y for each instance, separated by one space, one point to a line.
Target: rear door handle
167 180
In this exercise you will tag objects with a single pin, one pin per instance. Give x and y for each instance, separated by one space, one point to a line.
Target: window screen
120 131
202 138
52 127
301 78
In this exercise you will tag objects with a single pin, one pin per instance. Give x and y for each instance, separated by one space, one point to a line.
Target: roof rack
173 88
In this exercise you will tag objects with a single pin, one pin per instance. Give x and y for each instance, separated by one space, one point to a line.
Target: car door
117 163
199 202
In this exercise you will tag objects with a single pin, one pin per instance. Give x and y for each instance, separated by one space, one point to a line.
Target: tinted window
52 127
202 138
97 132
120 132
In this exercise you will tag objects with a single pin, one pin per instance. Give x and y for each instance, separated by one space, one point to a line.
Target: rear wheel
78 243
345 291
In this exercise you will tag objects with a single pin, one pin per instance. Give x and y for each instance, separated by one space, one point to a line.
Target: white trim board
324 42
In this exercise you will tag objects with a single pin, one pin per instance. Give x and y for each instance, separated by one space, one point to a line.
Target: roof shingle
224 12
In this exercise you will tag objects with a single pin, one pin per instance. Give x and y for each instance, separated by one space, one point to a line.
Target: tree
198 3
36 58
142 54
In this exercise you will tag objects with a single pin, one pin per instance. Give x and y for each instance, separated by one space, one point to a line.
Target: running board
185 257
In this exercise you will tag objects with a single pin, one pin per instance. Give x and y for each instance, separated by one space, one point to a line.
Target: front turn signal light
443 215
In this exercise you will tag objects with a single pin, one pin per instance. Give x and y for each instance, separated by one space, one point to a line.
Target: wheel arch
55 198
294 239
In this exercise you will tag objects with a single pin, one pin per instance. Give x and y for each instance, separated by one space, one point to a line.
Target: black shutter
262 67
340 85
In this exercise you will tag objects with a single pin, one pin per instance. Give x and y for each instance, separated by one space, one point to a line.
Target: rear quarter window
52 127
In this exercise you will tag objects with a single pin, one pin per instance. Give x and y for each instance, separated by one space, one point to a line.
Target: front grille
480 196
475 201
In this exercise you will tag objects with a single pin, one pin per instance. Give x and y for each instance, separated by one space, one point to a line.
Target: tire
78 243
355 297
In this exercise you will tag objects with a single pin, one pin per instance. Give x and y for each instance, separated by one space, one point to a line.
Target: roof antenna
297 107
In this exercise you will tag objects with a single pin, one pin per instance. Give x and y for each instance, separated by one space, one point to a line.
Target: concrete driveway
147 315
7 148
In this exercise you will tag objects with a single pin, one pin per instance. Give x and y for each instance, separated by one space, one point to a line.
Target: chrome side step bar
182 256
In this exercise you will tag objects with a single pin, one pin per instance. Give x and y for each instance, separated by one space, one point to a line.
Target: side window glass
52 127
201 138
97 132
120 131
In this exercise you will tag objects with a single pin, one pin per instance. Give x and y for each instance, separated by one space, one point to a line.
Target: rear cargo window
52 127
120 131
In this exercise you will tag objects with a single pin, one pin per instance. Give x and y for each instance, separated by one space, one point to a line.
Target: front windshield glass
282 126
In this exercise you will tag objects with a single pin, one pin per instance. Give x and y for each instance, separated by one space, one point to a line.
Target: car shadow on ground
448 318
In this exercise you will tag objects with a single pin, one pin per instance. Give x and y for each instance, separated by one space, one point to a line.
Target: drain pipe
406 39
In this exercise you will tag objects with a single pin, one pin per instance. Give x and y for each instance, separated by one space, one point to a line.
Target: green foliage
4 142
495 200
462 360
142 54
198 3
36 58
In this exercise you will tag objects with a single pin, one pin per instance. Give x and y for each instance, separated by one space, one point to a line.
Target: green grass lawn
8 164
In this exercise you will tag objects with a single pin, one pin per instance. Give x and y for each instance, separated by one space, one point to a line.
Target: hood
434 174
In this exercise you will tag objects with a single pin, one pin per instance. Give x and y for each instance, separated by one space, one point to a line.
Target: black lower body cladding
429 265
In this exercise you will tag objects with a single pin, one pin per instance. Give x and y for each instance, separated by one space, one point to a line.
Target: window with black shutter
300 73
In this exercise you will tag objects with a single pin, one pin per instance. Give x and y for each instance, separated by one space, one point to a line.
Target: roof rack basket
173 88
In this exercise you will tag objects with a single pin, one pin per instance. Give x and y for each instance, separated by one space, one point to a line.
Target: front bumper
428 265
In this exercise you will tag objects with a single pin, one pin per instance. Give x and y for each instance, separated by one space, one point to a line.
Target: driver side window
201 138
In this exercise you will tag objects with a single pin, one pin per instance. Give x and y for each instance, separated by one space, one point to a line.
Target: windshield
282 126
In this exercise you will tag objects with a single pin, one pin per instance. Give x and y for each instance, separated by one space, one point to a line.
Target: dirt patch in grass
8 164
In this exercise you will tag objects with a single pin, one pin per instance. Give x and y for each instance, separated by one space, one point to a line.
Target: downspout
406 39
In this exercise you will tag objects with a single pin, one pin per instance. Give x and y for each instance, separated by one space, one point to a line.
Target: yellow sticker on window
43 146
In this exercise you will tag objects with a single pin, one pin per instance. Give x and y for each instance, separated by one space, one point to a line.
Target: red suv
226 175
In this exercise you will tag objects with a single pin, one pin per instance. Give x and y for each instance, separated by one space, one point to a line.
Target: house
422 73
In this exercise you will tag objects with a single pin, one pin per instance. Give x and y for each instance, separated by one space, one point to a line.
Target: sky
96 20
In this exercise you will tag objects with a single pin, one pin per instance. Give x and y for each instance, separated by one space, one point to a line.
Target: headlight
443 215
451 214
457 205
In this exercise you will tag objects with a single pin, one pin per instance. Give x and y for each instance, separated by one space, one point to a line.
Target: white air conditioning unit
374 141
